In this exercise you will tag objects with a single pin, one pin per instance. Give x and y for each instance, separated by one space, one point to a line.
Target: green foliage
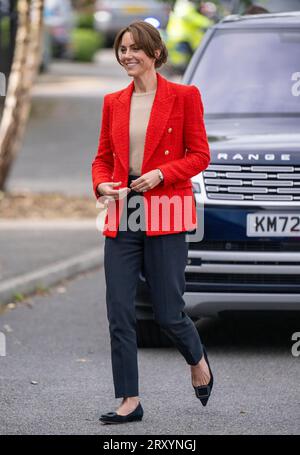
85 43
85 21
81 4
18 297
85 40
5 31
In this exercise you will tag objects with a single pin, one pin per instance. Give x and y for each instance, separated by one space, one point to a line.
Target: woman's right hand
105 189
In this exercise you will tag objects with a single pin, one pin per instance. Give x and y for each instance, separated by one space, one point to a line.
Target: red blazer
176 143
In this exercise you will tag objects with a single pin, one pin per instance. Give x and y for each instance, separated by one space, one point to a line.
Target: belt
130 179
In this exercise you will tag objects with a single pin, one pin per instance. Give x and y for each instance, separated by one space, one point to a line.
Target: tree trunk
24 69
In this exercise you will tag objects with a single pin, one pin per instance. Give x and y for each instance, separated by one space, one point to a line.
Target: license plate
273 225
134 9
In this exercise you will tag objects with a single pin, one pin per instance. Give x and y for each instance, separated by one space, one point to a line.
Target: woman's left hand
146 181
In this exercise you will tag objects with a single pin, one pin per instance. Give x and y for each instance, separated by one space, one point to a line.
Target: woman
152 142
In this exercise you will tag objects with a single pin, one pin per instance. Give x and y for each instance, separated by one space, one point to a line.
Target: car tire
150 335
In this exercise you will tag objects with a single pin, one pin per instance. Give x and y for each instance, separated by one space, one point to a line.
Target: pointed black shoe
113 417
203 391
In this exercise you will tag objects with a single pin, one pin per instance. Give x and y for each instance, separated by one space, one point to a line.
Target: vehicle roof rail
239 17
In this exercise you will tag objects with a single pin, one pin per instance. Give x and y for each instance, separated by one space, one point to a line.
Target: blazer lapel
160 113
121 114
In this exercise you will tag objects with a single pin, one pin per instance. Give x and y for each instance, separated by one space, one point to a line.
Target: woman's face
133 59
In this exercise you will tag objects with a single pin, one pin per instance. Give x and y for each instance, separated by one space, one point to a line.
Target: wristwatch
160 175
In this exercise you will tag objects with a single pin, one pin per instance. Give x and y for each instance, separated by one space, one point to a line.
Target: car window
250 72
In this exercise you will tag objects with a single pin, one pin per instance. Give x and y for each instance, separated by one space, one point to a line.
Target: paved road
61 341
29 249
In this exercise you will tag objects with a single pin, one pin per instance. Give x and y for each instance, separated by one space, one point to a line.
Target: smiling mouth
130 65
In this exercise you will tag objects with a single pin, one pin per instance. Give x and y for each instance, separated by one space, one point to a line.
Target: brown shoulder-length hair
146 37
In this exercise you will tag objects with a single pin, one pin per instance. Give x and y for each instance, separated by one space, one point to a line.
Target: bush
85 43
85 21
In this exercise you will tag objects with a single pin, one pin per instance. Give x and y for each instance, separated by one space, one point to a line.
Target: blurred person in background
185 30
256 9
264 6
59 20
152 141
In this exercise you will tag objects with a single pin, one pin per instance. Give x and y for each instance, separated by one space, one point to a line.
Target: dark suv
248 199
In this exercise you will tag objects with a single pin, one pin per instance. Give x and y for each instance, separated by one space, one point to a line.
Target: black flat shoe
203 391
113 417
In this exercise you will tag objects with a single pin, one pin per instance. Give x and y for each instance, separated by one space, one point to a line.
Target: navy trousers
163 258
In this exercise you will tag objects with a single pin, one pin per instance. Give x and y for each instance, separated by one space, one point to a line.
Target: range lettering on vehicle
254 157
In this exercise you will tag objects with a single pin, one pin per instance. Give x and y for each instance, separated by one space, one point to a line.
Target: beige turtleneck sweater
140 109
